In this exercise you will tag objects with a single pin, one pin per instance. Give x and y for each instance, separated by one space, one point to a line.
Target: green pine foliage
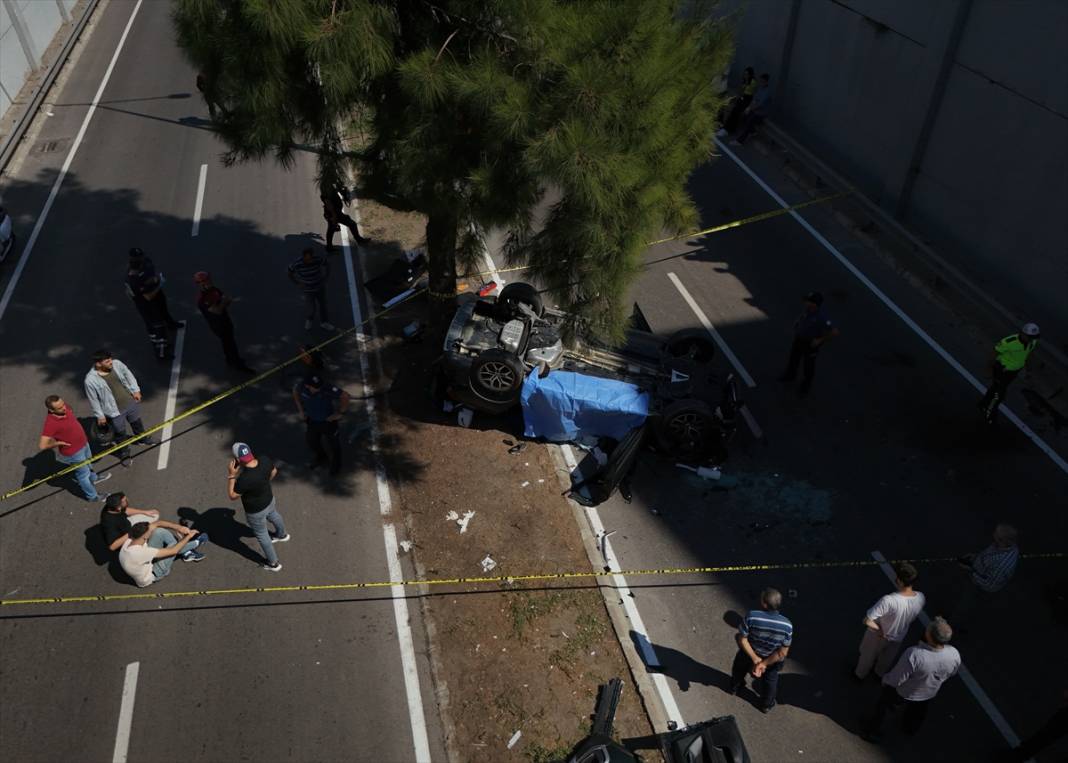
573 125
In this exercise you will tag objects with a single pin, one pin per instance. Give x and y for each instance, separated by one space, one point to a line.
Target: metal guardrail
13 140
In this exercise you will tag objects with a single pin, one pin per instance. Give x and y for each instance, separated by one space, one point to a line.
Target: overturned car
500 351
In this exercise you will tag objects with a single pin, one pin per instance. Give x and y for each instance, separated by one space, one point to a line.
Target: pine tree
571 124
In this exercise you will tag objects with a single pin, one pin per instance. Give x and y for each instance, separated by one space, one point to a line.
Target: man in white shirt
147 556
916 679
887 623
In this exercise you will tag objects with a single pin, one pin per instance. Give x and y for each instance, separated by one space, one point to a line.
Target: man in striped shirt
309 273
990 570
764 639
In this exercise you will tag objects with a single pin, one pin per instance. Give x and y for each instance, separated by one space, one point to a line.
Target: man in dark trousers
757 110
811 330
321 406
214 305
144 286
916 679
764 640
1010 357
334 201
310 273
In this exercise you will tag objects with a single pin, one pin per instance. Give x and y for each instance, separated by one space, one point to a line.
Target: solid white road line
973 686
723 346
32 240
172 400
953 363
649 656
409 667
122 733
200 199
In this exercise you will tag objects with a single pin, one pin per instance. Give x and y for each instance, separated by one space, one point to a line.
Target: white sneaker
284 539
307 324
327 326
276 568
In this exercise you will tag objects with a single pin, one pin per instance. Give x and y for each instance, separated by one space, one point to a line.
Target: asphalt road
258 677
887 453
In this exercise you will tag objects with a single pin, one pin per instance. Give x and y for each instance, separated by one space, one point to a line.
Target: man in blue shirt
811 329
764 639
321 406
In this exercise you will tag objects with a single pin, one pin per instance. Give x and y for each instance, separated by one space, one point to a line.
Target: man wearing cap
321 406
214 305
118 517
64 432
249 478
916 679
811 330
145 287
115 398
1010 357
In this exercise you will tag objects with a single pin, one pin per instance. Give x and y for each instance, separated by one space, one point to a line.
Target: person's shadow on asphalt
98 549
685 670
223 529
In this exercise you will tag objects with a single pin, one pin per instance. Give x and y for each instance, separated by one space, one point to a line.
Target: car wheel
514 294
686 428
694 344
497 376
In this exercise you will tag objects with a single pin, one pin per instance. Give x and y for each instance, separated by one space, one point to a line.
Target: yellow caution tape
207 403
499 579
715 229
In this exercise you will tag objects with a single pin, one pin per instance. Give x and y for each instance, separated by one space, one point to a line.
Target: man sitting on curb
118 516
149 551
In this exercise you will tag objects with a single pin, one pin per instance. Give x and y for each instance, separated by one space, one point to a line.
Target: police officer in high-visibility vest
1010 357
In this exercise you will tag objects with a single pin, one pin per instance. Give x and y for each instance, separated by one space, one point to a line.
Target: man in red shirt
214 305
64 432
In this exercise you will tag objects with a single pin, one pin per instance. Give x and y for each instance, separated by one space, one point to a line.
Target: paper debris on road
514 739
525 483
488 563
462 521
406 546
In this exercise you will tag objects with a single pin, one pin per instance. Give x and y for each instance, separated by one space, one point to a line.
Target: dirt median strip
527 661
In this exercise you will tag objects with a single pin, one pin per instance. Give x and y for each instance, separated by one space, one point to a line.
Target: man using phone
249 478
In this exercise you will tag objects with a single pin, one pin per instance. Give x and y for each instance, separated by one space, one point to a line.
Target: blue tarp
565 405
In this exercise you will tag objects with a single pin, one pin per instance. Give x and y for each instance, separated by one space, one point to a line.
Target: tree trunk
441 268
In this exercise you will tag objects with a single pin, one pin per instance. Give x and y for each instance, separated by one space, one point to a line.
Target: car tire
686 428
497 376
695 344
514 294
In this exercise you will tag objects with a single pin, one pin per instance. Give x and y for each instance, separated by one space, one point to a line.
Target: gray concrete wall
38 21
952 115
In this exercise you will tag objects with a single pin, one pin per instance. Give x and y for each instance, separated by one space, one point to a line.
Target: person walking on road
115 398
812 329
206 86
321 406
888 622
746 90
334 201
1010 357
150 549
764 640
249 478
916 679
64 432
310 273
757 110
214 305
145 287
118 517
989 571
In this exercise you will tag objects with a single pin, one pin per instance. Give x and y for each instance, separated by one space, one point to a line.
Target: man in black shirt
214 305
144 286
118 516
334 202
249 478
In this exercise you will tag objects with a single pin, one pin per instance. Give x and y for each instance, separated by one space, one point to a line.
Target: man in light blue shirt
115 398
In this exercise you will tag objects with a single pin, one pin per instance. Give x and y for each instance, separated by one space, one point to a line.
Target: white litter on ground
525 483
462 521
514 739
452 516
406 546
488 563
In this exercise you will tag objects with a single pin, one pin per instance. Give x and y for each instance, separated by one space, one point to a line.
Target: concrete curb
650 699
